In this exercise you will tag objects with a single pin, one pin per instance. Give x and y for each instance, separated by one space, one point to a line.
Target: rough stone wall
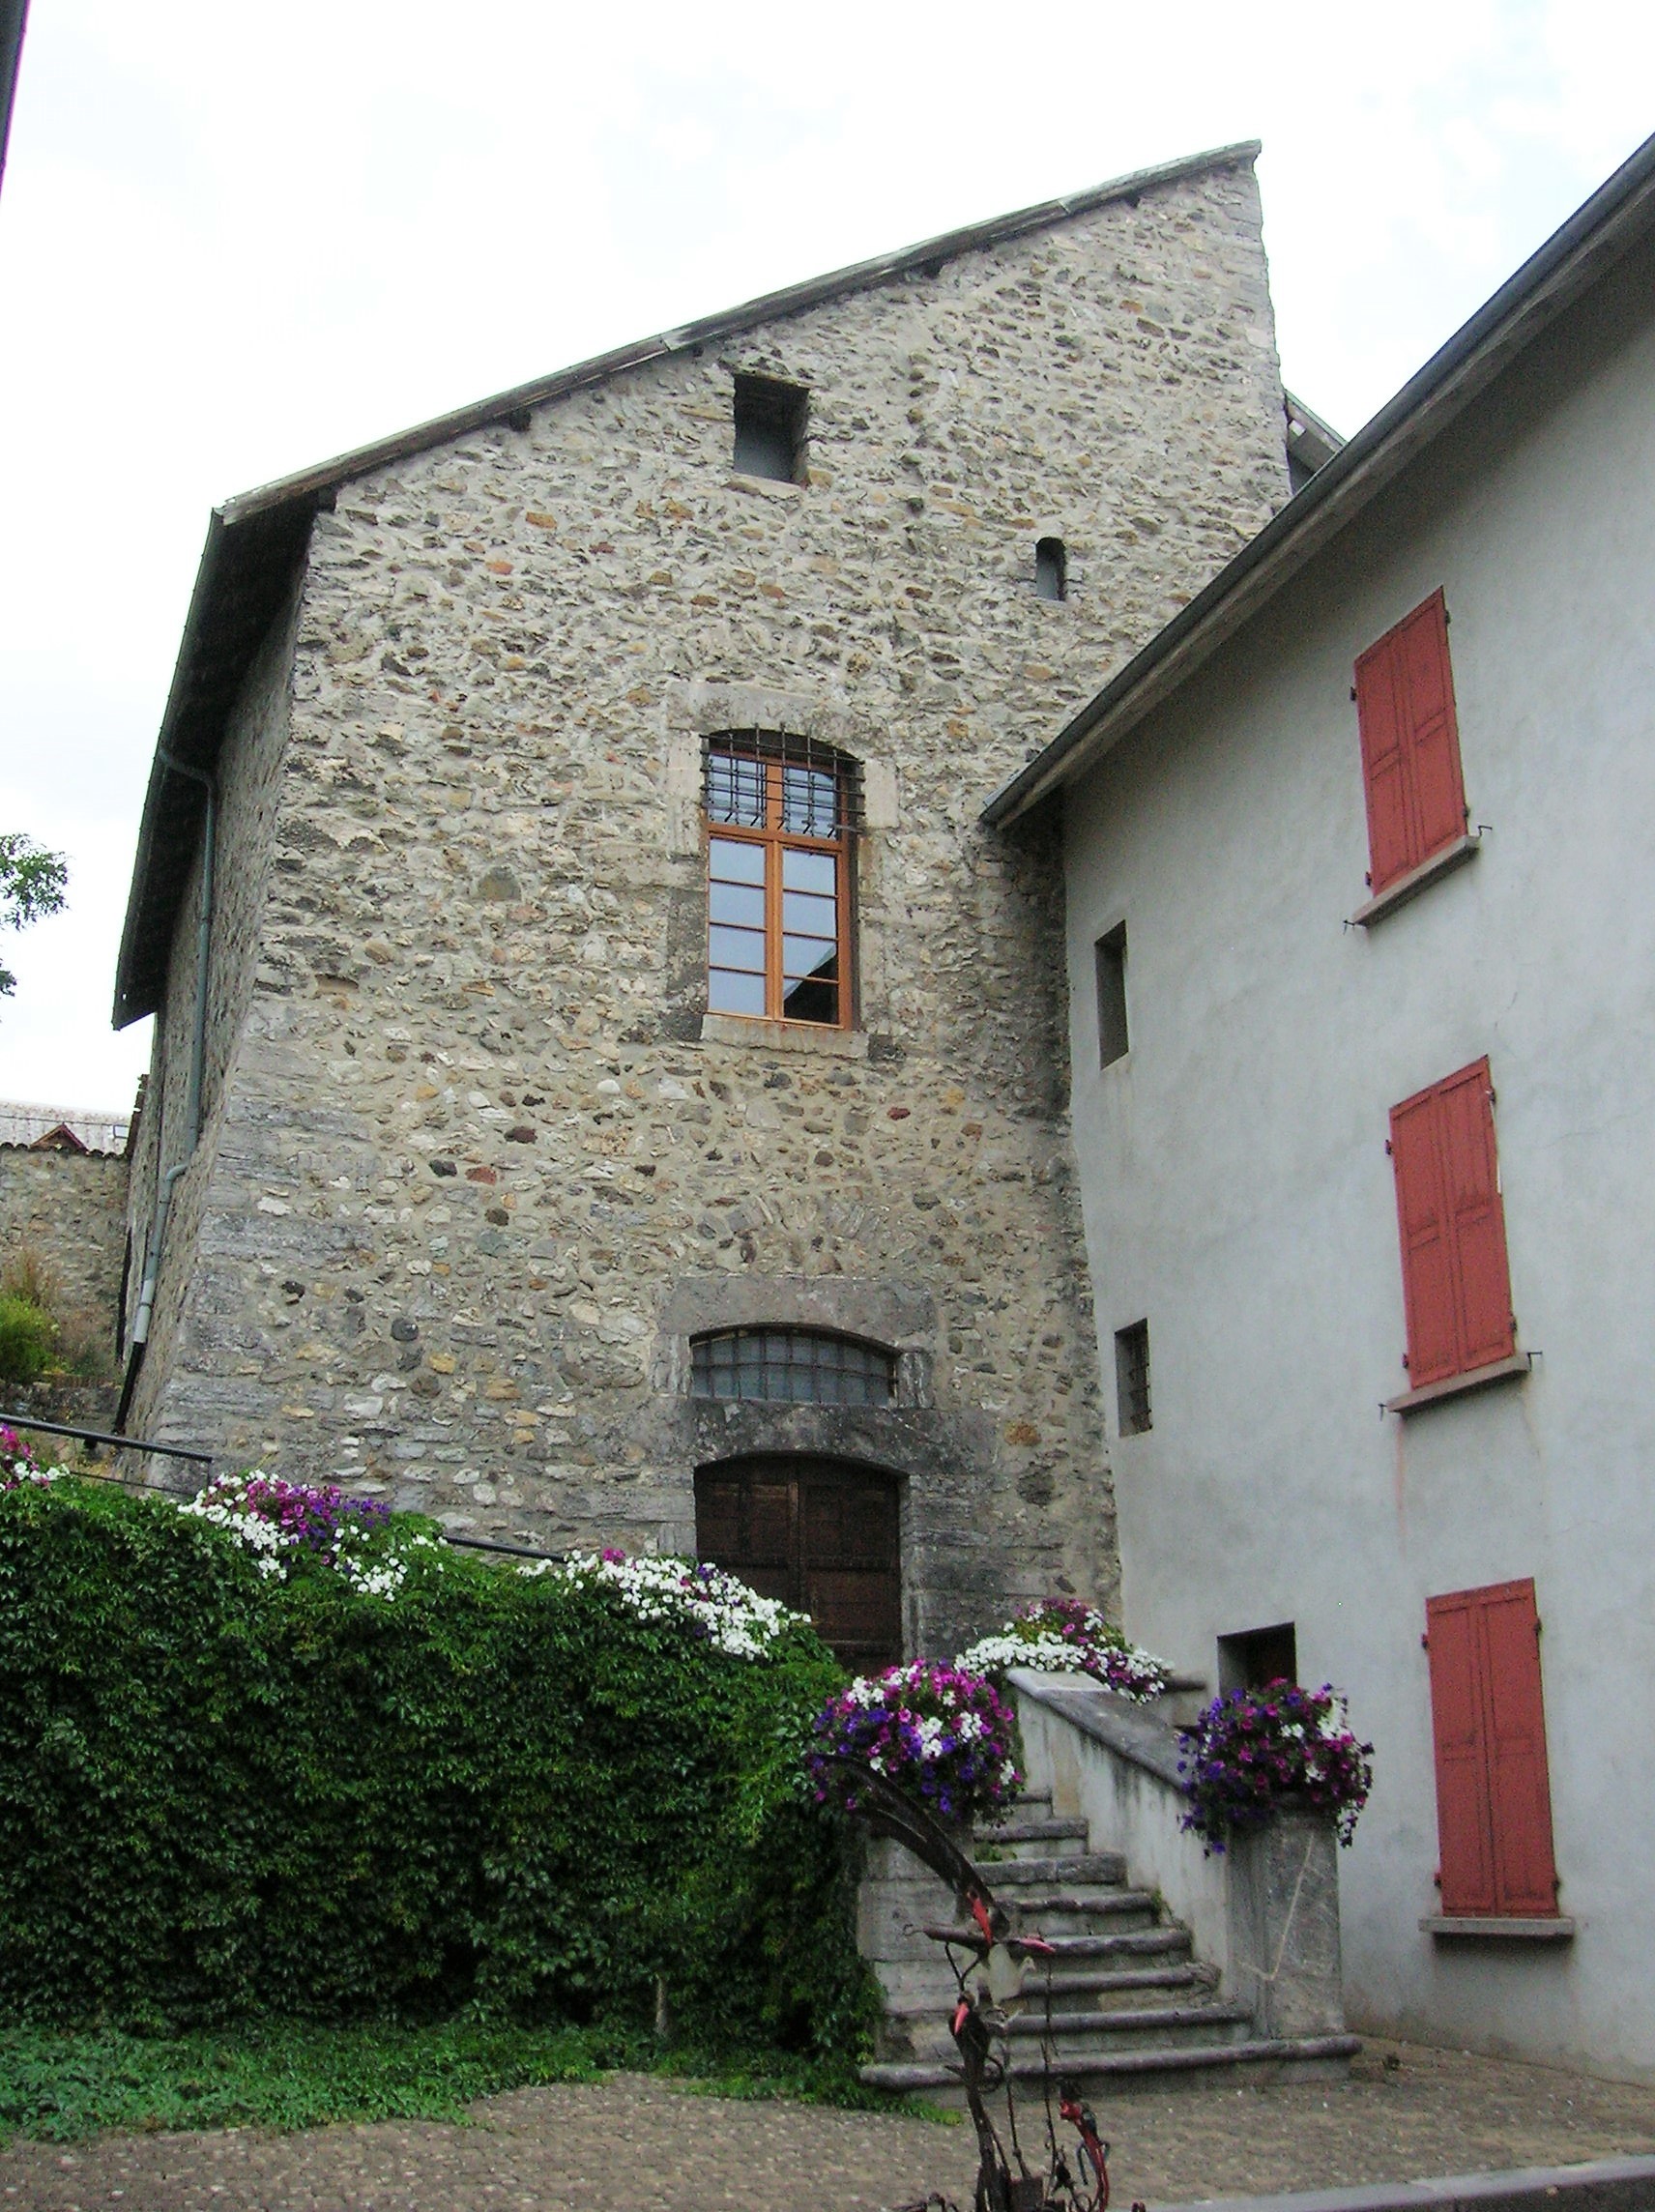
248 778
485 1164
71 1209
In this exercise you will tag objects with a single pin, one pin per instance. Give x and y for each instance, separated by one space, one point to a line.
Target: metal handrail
100 1436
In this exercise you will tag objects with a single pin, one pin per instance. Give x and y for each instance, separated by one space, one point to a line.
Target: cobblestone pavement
637 2145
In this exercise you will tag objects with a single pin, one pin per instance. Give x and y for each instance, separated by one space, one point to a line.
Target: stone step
1107 1989
1111 1898
1046 1912
1081 1867
1287 2058
1032 1805
1030 1831
1063 1873
1122 1943
1079 1912
1076 2038
1209 2016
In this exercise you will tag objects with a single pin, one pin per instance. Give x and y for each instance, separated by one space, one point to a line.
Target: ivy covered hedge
225 1795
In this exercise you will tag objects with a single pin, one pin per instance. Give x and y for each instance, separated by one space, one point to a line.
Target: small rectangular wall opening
1110 953
1051 569
1257 1657
769 429
1132 1379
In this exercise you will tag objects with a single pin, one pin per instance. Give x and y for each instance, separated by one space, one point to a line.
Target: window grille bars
796 1367
820 788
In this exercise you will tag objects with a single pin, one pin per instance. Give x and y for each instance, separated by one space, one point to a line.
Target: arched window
1051 569
799 1366
780 815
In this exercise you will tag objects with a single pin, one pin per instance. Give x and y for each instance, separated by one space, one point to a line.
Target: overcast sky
235 240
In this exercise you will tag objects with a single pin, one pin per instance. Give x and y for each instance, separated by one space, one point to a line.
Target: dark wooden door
823 1537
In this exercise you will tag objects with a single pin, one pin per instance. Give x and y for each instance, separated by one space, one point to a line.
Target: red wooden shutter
1427 1243
1482 1276
1456 1279
1382 729
1411 744
1465 1814
1494 1802
1525 1873
1437 787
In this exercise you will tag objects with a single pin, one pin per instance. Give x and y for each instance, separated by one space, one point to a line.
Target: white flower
734 1619
373 1559
1129 1672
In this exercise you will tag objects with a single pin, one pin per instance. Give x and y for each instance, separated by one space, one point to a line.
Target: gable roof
45 1128
1616 216
255 542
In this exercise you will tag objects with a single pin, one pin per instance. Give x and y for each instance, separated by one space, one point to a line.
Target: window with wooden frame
1451 1217
781 815
1487 1721
1411 745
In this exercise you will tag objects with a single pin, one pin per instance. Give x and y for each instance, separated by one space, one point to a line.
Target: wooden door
823 1537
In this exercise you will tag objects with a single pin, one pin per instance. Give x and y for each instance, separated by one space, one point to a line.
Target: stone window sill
767 487
1407 887
784 1037
1502 1930
1457 1386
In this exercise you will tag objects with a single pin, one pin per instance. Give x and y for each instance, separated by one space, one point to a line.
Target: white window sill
1456 1385
1502 1929
1407 887
785 1036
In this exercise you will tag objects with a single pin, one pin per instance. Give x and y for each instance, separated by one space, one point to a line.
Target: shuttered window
1411 745
1456 1283
1493 1797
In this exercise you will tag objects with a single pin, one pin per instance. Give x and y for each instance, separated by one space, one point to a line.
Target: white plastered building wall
1237 1190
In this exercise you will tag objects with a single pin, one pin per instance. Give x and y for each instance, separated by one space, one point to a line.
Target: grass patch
64 2087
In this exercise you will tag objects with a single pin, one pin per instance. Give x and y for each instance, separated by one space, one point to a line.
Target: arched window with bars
796 1367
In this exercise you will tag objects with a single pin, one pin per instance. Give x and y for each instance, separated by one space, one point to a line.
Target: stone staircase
1128 1999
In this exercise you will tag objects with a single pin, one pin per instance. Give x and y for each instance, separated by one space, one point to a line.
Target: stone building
473 1171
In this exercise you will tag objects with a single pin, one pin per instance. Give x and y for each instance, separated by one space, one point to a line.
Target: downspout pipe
166 1182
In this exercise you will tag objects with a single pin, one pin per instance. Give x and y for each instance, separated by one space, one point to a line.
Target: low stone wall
898 1900
71 1209
1266 1913
74 1405
1116 1765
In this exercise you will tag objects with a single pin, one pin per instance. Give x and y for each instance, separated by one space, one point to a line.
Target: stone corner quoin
464 1139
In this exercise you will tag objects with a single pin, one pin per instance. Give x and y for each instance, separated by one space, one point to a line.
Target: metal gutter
1572 259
